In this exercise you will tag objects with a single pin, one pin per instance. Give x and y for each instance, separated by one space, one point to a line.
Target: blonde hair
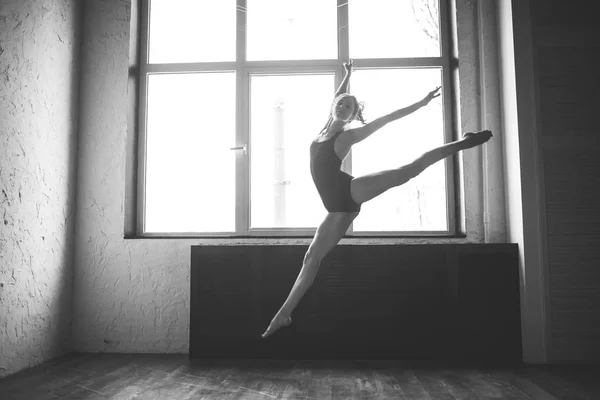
358 107
357 113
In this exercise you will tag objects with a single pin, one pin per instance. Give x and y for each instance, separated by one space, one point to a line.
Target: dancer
343 194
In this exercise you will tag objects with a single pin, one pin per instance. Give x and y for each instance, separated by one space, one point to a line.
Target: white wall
133 295
38 138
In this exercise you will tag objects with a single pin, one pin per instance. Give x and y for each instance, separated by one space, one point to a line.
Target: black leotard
332 183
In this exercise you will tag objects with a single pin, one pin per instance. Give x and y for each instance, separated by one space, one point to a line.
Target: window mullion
343 56
400 62
343 33
242 223
191 67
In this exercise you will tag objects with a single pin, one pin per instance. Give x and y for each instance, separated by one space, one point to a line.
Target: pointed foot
477 138
280 321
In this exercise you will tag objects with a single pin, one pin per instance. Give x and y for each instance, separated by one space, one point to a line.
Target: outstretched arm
344 85
367 130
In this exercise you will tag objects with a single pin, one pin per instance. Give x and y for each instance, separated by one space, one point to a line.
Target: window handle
242 147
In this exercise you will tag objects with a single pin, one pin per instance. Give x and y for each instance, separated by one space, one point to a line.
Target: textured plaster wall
38 138
470 117
133 295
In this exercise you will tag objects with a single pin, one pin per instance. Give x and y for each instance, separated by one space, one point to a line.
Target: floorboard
150 377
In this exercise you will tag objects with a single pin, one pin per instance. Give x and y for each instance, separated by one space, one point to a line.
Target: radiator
429 301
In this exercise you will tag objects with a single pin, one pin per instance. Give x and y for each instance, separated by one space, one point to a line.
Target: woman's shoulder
329 136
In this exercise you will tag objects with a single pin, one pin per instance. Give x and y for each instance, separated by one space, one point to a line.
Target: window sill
433 238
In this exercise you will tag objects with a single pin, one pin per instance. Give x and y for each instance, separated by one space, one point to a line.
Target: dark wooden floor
148 377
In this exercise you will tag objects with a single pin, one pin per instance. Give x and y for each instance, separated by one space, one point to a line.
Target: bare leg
328 234
365 188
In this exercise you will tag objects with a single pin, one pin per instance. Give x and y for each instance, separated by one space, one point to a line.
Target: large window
233 91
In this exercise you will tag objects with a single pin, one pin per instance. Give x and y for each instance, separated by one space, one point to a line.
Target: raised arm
344 85
363 132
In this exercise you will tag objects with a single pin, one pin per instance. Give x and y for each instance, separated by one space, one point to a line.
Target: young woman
342 194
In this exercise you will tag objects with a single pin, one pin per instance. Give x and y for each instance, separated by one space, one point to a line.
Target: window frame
244 69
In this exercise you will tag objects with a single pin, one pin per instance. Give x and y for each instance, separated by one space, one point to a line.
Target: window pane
287 113
192 31
394 28
420 204
291 29
190 171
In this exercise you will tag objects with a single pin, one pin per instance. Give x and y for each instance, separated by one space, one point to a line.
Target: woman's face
343 109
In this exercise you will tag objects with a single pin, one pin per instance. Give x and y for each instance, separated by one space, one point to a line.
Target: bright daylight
193 180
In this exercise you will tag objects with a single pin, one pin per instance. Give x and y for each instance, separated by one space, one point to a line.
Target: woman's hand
349 66
431 95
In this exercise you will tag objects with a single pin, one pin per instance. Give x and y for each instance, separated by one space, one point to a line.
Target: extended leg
328 234
365 188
